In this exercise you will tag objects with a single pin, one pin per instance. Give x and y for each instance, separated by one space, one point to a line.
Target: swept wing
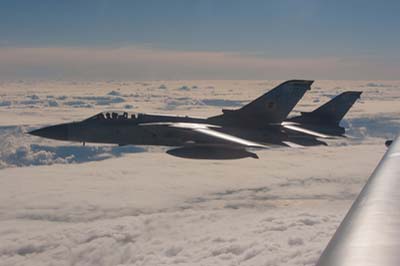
198 129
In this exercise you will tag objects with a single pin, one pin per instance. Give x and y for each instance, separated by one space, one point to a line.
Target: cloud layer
65 204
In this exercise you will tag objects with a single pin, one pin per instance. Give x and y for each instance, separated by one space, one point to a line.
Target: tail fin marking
276 104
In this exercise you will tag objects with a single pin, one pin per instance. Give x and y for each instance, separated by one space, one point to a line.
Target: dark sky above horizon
197 39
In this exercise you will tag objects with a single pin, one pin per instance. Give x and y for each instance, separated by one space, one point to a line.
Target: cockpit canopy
140 117
113 115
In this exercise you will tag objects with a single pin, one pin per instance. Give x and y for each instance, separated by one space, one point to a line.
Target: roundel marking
270 105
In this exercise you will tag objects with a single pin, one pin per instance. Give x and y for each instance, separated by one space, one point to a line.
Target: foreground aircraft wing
370 232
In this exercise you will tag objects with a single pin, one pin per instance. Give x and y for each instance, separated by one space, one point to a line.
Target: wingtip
388 143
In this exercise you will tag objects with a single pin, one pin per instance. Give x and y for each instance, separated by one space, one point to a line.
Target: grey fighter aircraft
323 122
326 118
230 135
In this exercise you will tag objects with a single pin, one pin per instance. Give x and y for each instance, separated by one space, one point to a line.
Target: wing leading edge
298 128
204 141
208 130
370 232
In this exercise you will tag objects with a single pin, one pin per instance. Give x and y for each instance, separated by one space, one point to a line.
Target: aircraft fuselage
128 131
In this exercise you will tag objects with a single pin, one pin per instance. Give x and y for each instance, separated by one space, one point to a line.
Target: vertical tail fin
272 107
334 110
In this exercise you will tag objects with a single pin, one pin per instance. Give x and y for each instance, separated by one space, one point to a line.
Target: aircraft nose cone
59 132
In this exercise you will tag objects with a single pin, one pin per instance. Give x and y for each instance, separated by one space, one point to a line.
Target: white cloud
278 210
17 149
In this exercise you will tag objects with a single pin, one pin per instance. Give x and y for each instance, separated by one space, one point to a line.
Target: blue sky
354 34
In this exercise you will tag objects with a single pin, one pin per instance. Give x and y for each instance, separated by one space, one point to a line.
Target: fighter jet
230 135
324 121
